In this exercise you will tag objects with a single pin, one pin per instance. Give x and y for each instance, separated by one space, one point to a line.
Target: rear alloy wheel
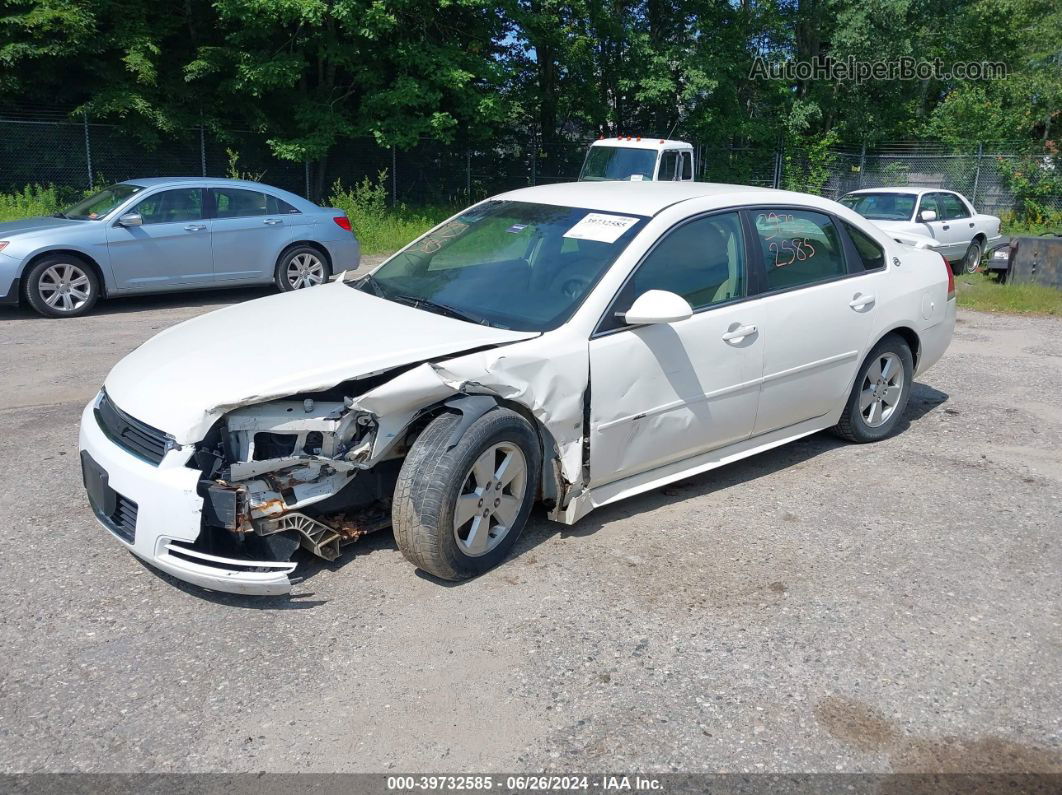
459 508
62 285
301 267
879 395
972 261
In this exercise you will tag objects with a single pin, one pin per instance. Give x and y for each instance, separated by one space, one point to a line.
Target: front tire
300 267
458 511
880 393
62 285
972 259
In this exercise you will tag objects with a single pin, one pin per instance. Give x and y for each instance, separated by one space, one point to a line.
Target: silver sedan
169 234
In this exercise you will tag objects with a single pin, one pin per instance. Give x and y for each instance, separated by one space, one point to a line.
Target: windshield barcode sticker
600 227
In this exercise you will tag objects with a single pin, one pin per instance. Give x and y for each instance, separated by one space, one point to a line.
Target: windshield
511 265
100 204
618 163
882 206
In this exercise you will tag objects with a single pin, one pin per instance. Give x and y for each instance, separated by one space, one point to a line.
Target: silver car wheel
973 258
305 270
490 500
881 390
65 287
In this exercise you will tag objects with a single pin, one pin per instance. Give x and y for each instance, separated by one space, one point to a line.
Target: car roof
649 198
151 182
641 142
218 182
916 191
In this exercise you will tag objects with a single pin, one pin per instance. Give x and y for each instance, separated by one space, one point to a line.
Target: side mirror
131 219
657 306
927 215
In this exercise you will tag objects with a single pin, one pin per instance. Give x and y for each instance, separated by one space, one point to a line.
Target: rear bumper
935 339
168 518
345 253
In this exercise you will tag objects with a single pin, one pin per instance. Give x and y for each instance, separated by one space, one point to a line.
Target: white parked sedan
962 234
571 345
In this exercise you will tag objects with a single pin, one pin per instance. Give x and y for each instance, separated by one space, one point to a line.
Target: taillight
951 277
343 222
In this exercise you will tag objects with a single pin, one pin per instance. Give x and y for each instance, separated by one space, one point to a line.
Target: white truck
636 159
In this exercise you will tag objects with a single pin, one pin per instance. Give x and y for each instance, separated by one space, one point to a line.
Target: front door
171 247
818 314
250 229
665 392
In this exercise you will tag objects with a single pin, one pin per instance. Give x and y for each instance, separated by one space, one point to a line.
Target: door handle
946 227
272 221
194 228
738 334
972 225
859 301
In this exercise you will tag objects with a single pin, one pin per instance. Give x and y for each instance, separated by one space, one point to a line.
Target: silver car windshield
511 265
98 205
882 206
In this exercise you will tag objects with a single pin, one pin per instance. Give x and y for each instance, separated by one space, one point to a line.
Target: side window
172 206
953 207
703 261
276 206
799 247
236 203
871 254
668 163
687 165
929 202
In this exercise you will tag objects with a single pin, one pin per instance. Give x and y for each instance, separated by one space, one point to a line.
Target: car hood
9 229
181 380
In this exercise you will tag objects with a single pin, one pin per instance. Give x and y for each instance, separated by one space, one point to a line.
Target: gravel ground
822 607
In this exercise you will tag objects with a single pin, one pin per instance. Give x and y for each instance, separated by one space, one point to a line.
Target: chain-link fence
51 148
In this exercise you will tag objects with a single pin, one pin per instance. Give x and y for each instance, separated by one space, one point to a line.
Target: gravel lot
822 607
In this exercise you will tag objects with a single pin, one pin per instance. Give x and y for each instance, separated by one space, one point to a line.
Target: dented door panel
665 392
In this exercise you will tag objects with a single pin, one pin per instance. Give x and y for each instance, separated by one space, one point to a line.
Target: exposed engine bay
290 473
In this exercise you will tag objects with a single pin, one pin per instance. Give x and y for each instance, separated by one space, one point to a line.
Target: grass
982 292
30 201
382 229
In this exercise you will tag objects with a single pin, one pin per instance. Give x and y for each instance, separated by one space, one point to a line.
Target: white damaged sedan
570 345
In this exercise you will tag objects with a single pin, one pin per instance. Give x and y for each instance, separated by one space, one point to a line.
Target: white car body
618 412
953 234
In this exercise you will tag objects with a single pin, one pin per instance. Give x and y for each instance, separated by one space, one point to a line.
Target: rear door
250 228
171 247
817 314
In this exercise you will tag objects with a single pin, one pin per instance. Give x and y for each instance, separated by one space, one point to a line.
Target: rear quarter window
871 255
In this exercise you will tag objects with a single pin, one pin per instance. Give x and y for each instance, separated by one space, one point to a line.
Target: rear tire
458 511
880 393
300 267
62 285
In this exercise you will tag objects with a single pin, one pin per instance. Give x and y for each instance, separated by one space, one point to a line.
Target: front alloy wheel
460 505
490 499
62 286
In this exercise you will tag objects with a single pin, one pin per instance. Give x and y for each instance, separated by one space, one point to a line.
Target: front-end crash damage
318 470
